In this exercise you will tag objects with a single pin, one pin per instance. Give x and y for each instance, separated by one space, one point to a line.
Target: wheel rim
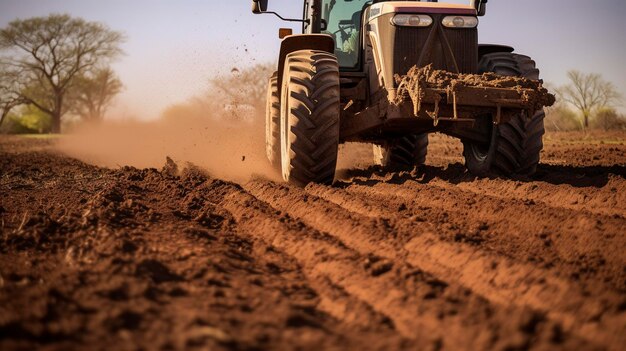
481 152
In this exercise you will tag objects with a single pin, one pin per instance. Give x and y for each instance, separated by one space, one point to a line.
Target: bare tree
588 93
8 99
245 88
91 94
46 53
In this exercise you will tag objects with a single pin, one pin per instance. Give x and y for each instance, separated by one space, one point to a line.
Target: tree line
586 101
58 65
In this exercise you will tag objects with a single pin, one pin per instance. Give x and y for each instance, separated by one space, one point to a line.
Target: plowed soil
433 259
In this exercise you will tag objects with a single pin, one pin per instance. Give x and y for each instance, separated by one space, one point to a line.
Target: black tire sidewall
477 161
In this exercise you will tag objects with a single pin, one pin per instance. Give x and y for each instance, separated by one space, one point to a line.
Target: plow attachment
425 95
442 95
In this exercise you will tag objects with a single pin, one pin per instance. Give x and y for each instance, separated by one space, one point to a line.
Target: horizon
173 50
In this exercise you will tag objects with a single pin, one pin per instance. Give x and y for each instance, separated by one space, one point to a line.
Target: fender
484 49
292 43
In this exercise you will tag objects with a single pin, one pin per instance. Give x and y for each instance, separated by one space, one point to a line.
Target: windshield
343 20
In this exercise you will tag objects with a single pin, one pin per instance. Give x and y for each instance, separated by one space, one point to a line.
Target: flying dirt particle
243 158
234 70
171 168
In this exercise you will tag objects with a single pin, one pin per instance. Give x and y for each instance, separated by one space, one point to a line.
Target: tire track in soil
502 281
368 202
608 200
589 244
430 311
312 311
309 310
323 259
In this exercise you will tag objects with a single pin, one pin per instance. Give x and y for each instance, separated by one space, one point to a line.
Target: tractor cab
342 21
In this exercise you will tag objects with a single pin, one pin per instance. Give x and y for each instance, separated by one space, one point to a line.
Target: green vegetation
563 118
57 64
27 120
594 100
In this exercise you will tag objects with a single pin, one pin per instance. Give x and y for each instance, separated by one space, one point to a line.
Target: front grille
410 44
404 46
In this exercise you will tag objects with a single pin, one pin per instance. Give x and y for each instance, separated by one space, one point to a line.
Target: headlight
460 21
412 20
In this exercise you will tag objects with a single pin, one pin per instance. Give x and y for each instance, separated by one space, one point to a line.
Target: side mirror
259 6
483 10
481 7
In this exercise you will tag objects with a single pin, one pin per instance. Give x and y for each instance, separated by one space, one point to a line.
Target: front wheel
514 146
310 117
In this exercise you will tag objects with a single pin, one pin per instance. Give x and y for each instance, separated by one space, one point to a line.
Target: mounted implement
389 73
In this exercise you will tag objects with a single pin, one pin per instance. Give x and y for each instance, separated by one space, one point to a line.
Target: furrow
545 234
324 260
425 309
610 200
497 278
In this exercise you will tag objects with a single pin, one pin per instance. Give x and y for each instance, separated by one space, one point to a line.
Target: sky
174 47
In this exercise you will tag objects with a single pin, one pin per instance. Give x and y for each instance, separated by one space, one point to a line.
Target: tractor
338 82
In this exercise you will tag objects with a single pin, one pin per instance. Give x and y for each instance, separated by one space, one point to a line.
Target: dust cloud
228 148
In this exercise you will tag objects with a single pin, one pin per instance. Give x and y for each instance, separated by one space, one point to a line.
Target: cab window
343 20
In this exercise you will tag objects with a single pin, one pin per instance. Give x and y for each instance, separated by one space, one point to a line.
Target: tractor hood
398 46
383 8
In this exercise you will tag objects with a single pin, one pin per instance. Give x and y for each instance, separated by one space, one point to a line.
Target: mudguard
484 49
292 43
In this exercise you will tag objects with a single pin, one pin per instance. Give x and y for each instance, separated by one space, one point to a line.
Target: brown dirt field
433 259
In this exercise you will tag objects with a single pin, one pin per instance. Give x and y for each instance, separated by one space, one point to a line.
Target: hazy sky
175 46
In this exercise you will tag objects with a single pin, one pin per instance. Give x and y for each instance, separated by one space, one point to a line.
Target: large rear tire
272 123
310 117
515 146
